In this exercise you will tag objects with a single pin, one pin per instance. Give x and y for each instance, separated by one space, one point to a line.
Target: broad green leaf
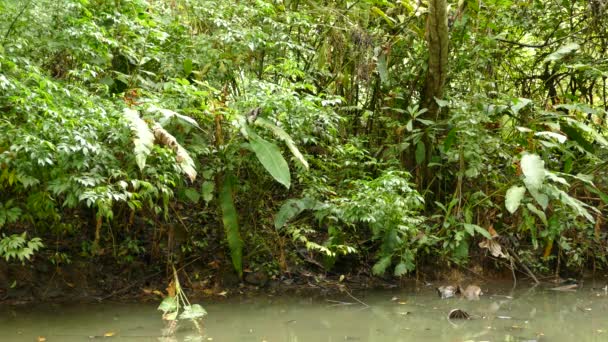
578 206
449 139
475 228
382 67
594 190
574 133
144 138
207 191
292 208
192 195
270 157
555 178
281 134
541 214
533 169
231 225
519 103
187 66
420 153
390 21
461 252
469 228
562 52
442 103
540 198
559 137
513 198
169 304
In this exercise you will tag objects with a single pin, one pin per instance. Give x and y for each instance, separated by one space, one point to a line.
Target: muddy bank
103 279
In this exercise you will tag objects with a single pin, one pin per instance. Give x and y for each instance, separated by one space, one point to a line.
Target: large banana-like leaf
281 134
144 139
231 224
271 158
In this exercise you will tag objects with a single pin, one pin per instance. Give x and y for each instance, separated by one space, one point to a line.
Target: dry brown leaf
494 248
492 231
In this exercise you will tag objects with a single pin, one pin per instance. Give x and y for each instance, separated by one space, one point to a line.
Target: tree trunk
437 39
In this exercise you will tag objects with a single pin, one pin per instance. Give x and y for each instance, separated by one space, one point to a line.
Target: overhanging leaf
292 208
449 139
519 103
281 134
270 156
541 214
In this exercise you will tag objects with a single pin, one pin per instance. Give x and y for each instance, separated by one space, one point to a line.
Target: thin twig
355 298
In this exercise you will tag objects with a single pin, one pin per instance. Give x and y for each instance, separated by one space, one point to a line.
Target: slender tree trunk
437 40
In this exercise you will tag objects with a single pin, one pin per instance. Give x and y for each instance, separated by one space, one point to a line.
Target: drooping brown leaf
494 247
183 159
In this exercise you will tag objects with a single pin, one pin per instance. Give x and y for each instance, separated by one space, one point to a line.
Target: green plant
176 306
17 246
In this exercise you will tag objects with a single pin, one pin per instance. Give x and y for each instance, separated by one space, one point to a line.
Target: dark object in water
458 314
446 291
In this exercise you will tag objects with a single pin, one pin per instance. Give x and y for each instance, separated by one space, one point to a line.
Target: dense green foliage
265 126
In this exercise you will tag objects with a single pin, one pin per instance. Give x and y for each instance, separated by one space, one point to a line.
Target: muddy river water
502 314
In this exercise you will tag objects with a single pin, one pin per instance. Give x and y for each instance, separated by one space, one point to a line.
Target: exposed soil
89 280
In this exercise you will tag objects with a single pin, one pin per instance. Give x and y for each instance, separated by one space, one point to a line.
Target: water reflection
529 314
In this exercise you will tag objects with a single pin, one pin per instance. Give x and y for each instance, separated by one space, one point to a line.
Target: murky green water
530 315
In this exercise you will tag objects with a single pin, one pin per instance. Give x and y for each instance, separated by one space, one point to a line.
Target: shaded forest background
350 137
